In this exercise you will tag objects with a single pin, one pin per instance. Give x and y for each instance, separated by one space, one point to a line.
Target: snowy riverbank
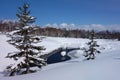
106 66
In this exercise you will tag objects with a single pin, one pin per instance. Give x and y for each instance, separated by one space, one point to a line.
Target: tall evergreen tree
28 54
92 47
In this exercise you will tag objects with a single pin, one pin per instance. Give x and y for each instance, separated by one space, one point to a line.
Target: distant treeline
8 26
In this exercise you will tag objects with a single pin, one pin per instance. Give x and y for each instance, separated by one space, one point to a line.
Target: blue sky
82 12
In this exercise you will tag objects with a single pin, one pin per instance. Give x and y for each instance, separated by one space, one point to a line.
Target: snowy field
106 65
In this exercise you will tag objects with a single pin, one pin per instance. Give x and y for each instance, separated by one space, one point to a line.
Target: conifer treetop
24 15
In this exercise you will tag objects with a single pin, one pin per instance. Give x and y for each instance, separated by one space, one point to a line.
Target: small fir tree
28 54
92 47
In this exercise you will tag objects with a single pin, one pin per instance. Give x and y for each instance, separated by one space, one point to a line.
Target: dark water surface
57 57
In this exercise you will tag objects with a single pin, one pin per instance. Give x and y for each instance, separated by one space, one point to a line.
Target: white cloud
51 25
48 25
67 26
114 27
98 27
72 26
55 25
63 25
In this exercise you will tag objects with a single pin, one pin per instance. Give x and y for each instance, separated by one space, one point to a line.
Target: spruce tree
28 53
92 47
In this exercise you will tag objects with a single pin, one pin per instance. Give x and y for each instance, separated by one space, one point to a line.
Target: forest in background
10 25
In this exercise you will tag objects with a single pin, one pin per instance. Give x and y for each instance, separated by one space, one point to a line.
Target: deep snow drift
106 65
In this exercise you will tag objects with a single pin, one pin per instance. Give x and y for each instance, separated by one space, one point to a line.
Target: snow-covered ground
106 65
